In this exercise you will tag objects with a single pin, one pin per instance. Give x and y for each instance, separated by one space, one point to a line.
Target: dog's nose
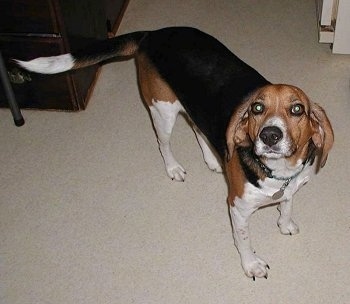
271 135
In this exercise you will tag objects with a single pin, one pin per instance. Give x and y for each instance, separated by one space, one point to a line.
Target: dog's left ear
237 131
323 136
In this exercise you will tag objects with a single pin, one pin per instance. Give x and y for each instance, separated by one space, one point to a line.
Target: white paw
288 227
213 164
215 167
254 267
176 172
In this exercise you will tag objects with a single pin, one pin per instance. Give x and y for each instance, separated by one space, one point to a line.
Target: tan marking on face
278 101
152 86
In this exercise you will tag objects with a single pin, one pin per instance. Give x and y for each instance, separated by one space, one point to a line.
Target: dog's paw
288 228
176 172
213 164
215 167
254 267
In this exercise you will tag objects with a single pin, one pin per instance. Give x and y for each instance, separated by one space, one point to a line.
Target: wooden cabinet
35 28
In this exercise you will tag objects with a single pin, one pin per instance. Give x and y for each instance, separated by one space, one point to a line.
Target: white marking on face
282 148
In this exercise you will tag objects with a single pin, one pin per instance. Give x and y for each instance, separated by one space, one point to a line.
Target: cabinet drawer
36 90
23 16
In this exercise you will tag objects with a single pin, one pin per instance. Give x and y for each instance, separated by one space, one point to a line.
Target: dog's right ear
237 130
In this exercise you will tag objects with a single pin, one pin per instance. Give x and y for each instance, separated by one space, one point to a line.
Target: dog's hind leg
164 107
208 155
164 115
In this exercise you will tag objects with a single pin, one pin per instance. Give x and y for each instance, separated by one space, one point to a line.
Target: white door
334 24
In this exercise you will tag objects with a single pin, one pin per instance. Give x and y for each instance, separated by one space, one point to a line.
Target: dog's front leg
285 221
252 265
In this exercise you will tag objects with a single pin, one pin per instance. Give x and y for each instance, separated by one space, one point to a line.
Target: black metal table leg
16 113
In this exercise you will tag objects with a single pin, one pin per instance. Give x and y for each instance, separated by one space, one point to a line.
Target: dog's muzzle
273 142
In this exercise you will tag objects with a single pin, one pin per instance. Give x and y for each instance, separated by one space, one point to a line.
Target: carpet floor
88 214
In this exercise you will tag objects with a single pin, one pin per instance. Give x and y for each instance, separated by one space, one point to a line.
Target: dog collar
277 195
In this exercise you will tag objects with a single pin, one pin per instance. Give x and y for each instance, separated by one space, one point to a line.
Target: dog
268 139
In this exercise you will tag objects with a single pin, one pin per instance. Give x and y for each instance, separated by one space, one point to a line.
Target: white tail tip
48 65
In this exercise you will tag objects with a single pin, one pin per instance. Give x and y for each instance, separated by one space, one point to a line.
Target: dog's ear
323 136
237 130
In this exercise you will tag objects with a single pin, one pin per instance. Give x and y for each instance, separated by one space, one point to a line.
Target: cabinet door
27 17
36 90
114 12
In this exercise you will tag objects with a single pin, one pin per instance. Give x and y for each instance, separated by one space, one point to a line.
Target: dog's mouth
279 150
272 153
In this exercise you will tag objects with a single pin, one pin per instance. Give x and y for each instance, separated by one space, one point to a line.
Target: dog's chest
263 195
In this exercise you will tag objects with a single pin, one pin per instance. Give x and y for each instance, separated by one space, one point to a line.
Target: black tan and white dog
268 138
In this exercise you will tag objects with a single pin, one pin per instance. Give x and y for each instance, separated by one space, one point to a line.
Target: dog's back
209 80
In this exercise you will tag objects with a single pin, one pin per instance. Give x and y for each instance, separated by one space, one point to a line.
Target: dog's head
279 121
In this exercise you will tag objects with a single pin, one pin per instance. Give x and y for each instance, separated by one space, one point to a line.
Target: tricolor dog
267 138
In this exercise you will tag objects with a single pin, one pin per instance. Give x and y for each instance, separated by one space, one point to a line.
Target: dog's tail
124 46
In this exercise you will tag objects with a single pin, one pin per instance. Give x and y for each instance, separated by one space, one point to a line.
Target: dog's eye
257 108
297 109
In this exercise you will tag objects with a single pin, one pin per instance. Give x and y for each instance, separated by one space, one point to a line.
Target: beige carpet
88 215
